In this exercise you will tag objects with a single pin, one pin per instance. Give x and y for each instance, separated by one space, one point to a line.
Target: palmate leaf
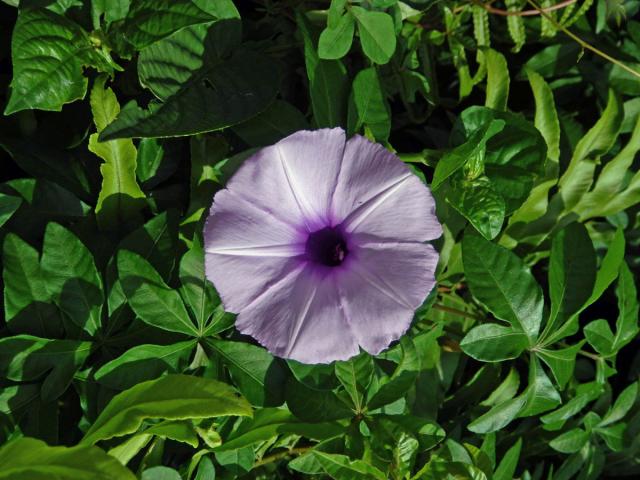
33 459
494 343
71 277
259 376
572 273
145 362
149 296
172 397
28 358
28 306
48 53
355 376
213 92
501 281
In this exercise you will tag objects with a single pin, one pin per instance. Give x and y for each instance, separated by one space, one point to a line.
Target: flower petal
246 250
377 194
382 287
301 317
311 161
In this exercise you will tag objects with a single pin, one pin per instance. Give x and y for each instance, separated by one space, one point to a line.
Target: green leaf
377 35
585 393
501 281
478 202
28 305
578 177
311 405
335 41
355 376
339 467
172 397
514 158
607 273
144 362
507 466
494 343
614 191
8 205
258 375
328 82
153 164
571 441
554 60
546 116
369 106
33 459
572 273
401 380
200 90
151 20
160 473
150 298
454 159
627 323
27 358
497 80
498 417
540 395
268 423
279 120
120 197
614 436
198 292
622 405
561 362
48 52
71 277
156 241
238 462
599 335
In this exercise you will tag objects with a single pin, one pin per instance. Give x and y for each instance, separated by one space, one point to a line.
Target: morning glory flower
318 244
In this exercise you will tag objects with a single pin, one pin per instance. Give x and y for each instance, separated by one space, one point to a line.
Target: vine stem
524 13
277 456
581 42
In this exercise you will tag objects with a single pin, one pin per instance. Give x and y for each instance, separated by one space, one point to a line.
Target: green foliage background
122 119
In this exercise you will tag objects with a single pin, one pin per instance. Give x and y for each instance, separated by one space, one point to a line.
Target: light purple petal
377 194
301 317
246 250
382 288
311 161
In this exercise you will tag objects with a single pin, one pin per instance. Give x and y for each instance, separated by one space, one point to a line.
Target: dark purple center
327 247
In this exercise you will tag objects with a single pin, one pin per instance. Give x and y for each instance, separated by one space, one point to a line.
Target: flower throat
327 247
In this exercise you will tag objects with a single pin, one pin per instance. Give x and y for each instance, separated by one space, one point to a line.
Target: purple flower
317 244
